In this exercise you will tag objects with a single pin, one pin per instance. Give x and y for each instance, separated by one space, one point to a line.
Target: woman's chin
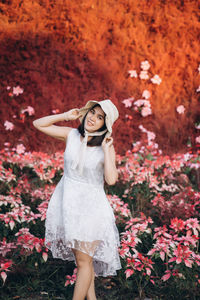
90 129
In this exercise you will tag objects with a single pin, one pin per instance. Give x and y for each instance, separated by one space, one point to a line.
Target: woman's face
94 119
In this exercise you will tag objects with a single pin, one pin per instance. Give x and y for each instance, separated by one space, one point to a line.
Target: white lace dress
79 214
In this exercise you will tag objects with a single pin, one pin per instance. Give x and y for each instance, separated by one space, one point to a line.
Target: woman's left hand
107 142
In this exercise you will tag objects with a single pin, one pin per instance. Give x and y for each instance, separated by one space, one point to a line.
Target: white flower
156 79
133 73
156 146
146 111
20 149
145 65
151 135
143 75
141 102
198 89
141 127
187 156
146 94
195 166
197 126
128 102
8 125
30 110
17 90
180 109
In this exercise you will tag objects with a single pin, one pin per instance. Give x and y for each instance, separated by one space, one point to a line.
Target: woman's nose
93 118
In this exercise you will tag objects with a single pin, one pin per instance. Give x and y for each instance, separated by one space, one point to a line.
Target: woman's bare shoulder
68 130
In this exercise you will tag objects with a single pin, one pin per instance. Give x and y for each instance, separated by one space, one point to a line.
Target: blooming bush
156 205
173 249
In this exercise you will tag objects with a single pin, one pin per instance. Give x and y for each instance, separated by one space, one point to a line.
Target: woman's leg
91 291
84 275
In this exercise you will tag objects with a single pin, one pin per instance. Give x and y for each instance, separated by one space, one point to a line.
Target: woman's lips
89 123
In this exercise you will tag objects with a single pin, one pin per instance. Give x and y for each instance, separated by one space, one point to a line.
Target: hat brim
83 110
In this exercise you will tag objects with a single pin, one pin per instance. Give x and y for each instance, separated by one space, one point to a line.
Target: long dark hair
95 140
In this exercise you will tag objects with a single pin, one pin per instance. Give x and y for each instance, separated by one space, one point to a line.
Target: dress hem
72 258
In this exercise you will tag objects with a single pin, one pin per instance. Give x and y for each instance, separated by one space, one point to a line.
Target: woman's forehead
99 110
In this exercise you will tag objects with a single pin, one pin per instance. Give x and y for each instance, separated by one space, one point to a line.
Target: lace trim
105 254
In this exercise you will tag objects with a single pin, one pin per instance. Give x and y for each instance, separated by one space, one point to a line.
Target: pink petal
166 277
148 271
129 272
188 263
162 255
45 256
152 281
4 276
178 260
12 224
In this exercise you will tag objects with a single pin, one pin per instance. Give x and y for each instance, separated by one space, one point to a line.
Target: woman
80 223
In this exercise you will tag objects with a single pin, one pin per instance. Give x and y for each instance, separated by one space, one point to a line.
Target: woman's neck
89 138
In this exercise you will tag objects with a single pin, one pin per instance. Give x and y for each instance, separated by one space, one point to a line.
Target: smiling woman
80 223
93 121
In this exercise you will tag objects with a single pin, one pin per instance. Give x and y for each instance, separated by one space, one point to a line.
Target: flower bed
156 203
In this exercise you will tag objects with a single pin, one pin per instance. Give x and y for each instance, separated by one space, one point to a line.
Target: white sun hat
107 106
111 115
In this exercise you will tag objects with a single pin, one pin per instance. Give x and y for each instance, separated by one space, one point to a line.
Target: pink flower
128 102
182 253
129 117
197 139
156 79
146 111
55 111
6 247
133 73
193 224
180 109
17 90
146 94
20 149
166 276
144 75
177 224
189 239
30 110
141 127
129 272
119 206
71 279
141 102
12 224
145 65
3 276
45 256
198 89
8 125
151 135
4 267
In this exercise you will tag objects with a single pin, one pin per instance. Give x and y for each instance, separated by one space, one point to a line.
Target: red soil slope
64 53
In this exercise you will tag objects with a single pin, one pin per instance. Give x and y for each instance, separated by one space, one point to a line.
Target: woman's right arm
45 124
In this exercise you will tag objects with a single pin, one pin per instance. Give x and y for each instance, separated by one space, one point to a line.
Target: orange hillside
64 53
